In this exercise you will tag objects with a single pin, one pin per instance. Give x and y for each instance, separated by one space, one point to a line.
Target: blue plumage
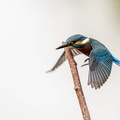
75 38
116 61
100 58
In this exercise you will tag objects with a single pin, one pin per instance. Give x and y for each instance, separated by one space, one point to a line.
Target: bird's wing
63 58
100 65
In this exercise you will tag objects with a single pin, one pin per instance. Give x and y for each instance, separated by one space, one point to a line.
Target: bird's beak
62 46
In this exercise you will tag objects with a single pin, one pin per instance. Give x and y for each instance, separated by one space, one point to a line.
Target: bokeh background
30 30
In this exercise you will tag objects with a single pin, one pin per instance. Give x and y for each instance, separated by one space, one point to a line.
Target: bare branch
77 84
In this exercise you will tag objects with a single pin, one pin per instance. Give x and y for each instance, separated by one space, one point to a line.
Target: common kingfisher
99 57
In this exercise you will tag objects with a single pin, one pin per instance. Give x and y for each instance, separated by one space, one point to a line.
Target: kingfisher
99 59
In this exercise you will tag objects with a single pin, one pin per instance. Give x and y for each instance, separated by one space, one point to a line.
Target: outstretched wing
63 58
100 65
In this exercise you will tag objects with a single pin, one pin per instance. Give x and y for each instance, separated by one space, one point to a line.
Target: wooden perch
77 84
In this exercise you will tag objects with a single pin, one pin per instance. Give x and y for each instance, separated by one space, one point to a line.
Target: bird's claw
84 65
86 60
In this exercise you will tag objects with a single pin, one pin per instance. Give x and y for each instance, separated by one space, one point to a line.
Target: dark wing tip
63 58
58 63
51 70
48 71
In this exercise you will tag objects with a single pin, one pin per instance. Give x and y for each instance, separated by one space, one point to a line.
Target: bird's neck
85 50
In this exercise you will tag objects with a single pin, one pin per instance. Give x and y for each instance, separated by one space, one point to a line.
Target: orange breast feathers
85 50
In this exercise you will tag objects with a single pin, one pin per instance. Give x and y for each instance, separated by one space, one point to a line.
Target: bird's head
75 41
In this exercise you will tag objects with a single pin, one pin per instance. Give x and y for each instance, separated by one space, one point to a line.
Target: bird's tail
116 61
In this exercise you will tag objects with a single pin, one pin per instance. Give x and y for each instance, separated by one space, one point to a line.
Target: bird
99 59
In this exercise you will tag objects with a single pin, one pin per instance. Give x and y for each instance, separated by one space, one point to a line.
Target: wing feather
100 65
62 58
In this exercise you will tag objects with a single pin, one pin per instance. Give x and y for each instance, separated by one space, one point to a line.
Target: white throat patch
85 41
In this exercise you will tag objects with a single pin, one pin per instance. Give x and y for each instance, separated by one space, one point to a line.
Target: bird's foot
86 60
84 64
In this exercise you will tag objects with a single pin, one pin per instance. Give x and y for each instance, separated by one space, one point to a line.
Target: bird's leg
84 62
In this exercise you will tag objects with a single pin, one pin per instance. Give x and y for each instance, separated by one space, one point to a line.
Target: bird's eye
70 42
